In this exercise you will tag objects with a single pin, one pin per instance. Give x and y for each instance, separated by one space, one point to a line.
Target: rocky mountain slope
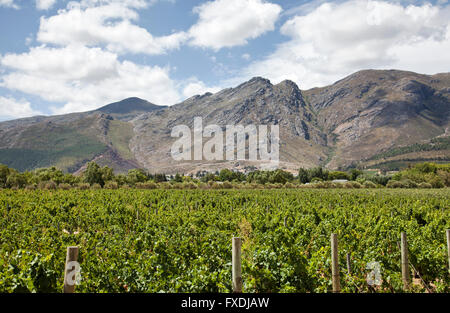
370 118
374 111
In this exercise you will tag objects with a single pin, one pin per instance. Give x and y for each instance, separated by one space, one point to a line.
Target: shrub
50 185
425 185
150 185
394 184
289 185
348 185
64 186
445 176
356 185
111 185
325 185
189 185
165 185
83 186
30 187
41 185
407 183
216 186
369 184
96 186
227 185
436 182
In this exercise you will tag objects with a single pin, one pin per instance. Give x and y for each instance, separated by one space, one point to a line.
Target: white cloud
246 56
8 4
108 23
336 39
84 78
45 4
228 23
12 108
193 87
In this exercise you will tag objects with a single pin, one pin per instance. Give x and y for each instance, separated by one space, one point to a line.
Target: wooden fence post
71 256
405 261
335 264
236 265
448 249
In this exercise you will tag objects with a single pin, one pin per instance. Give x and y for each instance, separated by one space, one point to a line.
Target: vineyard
180 240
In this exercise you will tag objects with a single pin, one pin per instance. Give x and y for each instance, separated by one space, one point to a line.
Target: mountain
128 108
371 118
70 141
372 112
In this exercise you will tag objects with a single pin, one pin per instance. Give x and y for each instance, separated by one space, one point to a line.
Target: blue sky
60 56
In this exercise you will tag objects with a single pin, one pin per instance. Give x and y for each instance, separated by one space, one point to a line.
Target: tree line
423 175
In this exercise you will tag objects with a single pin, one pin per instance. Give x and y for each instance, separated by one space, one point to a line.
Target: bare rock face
350 122
256 102
373 111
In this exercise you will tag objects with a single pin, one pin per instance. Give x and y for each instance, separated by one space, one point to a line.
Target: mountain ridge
365 114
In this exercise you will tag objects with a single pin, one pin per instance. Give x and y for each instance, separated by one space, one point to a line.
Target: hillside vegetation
424 175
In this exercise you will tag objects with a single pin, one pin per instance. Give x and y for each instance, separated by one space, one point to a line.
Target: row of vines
180 240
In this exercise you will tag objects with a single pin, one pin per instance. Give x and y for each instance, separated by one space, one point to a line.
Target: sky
61 56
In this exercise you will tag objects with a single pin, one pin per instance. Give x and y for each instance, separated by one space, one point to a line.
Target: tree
303 176
48 174
178 178
159 178
354 173
226 175
338 175
280 177
16 179
107 174
4 173
318 172
208 177
93 174
136 176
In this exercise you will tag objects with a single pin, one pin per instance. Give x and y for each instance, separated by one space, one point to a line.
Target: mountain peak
257 81
288 83
129 105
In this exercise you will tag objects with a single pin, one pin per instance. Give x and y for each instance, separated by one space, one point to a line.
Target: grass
51 145
120 134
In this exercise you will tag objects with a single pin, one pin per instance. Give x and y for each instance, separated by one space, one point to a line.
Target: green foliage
303 176
52 147
338 175
430 173
159 178
137 176
227 175
436 144
271 177
178 178
355 173
94 174
180 241
4 173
